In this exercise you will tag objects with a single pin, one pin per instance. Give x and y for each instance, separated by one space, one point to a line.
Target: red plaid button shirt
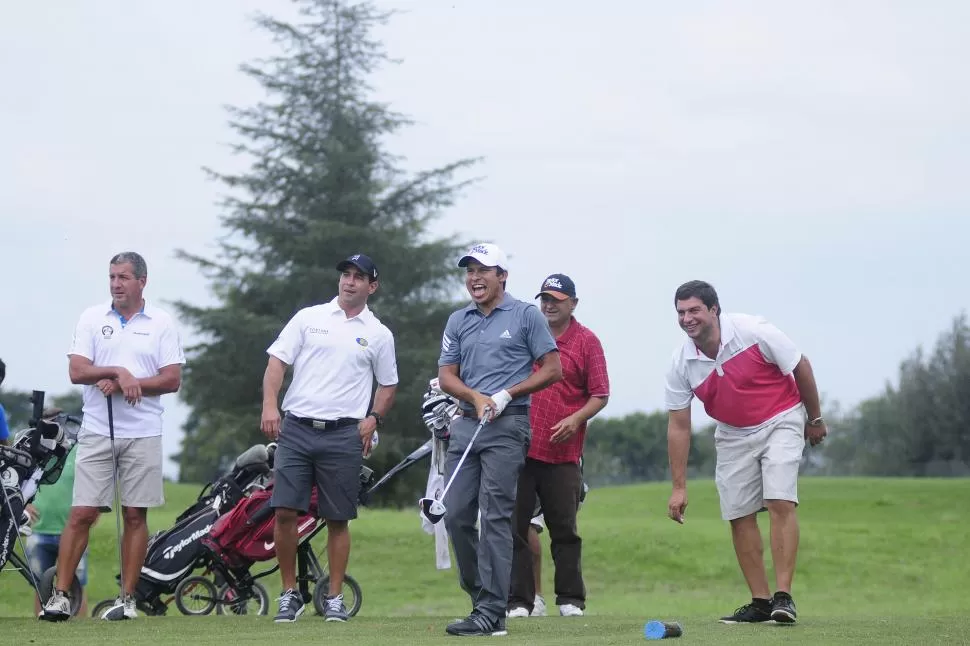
583 376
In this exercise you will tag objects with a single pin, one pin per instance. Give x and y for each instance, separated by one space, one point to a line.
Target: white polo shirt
335 361
142 345
749 384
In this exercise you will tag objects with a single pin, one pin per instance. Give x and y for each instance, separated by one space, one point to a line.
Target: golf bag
36 458
244 536
174 553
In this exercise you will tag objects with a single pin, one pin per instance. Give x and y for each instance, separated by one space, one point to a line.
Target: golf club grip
111 417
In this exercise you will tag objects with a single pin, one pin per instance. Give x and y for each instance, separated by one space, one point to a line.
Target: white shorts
139 470
760 466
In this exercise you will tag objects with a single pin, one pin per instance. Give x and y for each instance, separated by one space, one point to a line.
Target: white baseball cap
487 254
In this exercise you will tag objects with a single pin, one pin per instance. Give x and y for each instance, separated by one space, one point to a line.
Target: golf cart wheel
351 591
46 585
230 602
102 607
196 595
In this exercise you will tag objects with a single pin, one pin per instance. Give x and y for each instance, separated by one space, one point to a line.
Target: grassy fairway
881 561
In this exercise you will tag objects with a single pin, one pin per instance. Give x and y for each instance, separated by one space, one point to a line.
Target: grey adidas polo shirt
497 351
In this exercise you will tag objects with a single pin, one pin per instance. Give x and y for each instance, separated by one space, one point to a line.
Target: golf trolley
36 458
173 554
244 537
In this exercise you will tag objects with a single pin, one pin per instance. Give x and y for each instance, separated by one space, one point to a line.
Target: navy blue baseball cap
559 286
361 262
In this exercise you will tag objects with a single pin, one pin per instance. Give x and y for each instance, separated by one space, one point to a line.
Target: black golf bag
174 553
36 458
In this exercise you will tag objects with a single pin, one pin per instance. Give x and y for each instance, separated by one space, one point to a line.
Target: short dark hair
3 371
138 265
699 289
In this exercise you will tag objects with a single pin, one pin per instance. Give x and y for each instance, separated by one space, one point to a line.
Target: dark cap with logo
559 286
361 262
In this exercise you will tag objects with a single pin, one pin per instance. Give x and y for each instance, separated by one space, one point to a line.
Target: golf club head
433 510
115 613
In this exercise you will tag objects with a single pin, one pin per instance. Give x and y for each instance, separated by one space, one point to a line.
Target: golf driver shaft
464 455
117 492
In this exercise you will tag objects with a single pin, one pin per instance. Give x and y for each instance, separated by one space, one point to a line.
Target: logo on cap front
355 257
554 282
480 248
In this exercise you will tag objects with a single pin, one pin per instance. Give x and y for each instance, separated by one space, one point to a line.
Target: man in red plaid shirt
552 470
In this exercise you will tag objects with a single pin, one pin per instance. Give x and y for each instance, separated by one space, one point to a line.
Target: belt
519 409
325 424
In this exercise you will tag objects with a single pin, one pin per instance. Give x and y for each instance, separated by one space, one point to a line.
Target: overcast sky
808 159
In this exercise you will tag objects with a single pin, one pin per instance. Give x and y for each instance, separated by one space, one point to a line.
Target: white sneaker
123 609
569 610
539 608
518 611
57 608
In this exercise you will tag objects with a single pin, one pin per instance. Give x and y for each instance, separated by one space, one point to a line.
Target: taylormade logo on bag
170 551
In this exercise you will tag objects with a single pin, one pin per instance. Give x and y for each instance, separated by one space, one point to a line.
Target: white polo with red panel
750 391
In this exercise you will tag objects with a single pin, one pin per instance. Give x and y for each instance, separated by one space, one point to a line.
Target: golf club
434 510
416 455
117 612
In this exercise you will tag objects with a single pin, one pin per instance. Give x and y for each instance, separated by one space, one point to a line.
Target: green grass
881 561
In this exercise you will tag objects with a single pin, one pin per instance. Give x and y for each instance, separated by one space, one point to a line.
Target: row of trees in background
321 186
916 428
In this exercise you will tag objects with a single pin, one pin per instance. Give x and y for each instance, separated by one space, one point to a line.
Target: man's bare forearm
807 388
549 372
593 406
678 446
161 384
384 399
451 383
82 374
272 382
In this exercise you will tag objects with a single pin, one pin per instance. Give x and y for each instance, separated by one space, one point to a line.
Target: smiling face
557 311
354 288
696 319
126 289
484 284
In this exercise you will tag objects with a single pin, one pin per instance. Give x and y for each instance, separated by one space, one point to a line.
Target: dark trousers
558 488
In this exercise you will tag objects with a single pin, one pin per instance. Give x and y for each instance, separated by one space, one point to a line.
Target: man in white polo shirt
761 391
130 351
337 350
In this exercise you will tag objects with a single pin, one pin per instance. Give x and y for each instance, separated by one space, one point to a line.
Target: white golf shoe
539 607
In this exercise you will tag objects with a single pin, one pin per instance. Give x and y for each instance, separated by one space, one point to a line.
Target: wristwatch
377 416
818 421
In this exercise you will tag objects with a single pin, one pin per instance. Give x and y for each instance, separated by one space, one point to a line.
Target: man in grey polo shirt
487 353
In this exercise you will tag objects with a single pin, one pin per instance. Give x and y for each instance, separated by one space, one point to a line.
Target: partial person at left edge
128 349
4 429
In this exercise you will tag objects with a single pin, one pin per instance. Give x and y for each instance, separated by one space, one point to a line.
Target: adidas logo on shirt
505 335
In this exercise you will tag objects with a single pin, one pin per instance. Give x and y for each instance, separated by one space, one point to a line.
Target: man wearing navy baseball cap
337 351
361 262
552 473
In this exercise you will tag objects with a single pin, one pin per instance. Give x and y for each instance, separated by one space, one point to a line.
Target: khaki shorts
760 466
139 470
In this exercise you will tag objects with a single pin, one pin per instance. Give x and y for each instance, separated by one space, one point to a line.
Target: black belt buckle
326 424
331 424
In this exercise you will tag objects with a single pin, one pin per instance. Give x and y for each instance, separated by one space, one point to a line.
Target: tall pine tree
320 187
